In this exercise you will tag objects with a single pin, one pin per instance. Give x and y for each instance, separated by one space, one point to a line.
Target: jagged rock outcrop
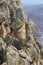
19 44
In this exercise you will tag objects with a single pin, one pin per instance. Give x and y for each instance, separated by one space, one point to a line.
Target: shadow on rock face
18 44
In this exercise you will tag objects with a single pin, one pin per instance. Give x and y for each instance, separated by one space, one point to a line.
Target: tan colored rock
4 63
4 31
21 35
12 57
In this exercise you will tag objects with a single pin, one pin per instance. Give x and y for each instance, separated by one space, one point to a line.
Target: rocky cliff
18 44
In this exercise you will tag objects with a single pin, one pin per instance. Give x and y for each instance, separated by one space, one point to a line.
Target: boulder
12 56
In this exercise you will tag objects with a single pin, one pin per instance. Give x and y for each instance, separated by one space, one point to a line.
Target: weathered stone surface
12 56
2 51
4 9
16 36
42 53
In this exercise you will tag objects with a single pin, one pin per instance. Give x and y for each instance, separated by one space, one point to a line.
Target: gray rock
32 52
2 51
22 53
1 1
2 17
19 15
42 53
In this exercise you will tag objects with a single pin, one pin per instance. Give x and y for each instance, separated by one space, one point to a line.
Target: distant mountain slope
35 13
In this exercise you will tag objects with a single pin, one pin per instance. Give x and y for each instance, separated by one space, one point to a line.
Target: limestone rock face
4 9
18 44
12 57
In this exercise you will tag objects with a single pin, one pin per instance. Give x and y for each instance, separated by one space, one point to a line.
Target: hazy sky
32 1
